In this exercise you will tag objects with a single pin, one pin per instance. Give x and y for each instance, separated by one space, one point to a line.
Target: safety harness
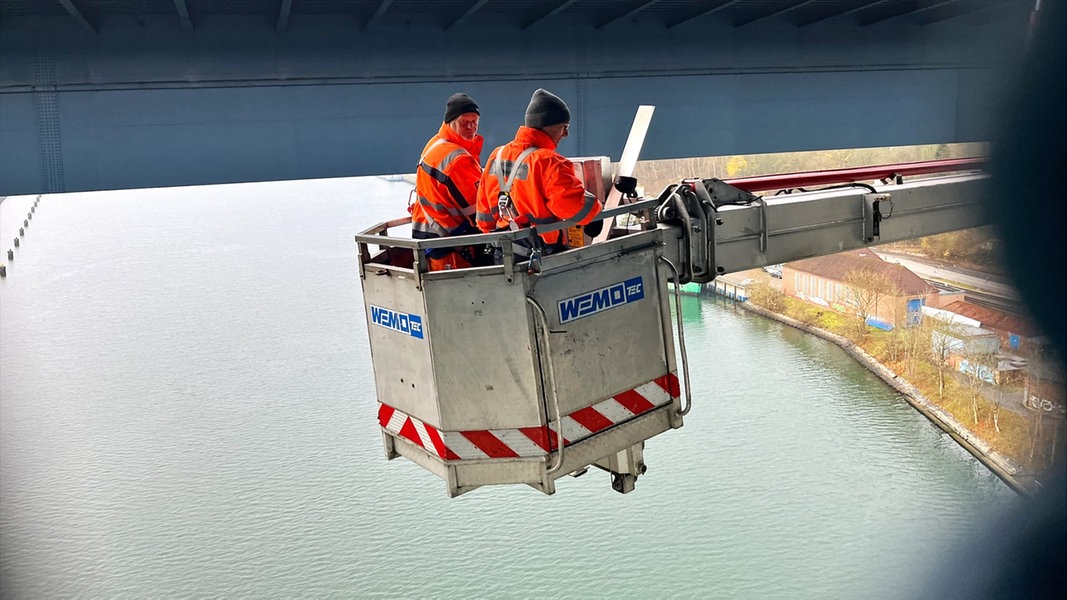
534 246
503 198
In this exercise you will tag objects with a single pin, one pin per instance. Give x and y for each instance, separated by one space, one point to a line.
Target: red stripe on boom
797 180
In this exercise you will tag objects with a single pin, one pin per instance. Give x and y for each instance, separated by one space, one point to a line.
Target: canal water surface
187 409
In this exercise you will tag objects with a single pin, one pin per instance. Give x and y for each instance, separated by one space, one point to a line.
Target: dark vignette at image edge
1024 554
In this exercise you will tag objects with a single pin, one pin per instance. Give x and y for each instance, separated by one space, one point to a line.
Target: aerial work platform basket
510 374
530 370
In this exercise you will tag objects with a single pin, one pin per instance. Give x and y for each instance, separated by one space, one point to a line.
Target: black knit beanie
546 109
459 104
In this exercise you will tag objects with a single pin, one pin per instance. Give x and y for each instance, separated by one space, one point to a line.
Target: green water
187 410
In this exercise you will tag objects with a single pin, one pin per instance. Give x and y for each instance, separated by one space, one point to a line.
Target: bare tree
1045 398
916 344
865 289
1036 427
978 375
997 401
764 295
903 331
944 340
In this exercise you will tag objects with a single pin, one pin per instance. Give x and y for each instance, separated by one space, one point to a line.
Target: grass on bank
1024 440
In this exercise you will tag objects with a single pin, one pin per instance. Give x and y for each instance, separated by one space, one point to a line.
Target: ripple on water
188 410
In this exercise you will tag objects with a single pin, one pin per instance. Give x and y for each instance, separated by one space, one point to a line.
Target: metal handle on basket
552 384
681 338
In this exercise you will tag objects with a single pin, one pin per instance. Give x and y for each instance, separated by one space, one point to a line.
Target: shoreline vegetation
1018 448
1019 477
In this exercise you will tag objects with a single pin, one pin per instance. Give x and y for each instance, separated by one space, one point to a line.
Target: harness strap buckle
535 262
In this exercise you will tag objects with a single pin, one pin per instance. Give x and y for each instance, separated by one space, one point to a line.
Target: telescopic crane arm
713 227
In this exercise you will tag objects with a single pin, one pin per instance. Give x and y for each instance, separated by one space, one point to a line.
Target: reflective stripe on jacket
446 185
545 188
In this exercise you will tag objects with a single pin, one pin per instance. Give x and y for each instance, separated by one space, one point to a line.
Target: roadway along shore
1002 466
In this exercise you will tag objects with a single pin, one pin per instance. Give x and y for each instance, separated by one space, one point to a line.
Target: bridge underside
108 95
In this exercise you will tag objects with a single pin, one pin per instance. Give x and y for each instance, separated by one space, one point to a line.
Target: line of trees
927 355
979 248
654 175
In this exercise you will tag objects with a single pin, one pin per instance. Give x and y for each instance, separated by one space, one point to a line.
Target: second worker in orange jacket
544 188
446 184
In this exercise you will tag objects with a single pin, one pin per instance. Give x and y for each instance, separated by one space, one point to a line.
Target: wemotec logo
597 301
397 321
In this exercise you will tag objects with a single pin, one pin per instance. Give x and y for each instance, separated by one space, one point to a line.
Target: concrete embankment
1002 466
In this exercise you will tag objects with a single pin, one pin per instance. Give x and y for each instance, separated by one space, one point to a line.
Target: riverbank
1002 466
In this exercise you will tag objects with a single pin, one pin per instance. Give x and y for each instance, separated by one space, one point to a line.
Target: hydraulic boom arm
715 227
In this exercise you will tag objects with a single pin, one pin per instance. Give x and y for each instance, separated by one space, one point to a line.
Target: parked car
774 271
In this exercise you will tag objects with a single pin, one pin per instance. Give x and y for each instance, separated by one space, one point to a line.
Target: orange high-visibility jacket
446 185
545 188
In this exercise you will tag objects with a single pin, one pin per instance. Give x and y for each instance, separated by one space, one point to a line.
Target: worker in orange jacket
446 184
540 185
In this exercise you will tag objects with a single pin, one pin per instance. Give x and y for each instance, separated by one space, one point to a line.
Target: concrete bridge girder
144 102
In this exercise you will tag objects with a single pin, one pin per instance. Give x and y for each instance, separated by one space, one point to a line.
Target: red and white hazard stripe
531 441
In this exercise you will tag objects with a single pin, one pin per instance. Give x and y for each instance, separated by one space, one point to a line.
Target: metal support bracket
690 206
873 215
508 253
763 235
624 466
